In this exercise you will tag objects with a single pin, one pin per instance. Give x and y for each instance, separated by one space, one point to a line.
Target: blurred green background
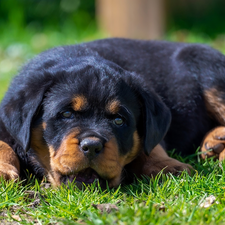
28 27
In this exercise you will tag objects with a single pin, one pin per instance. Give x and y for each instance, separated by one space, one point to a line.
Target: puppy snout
91 147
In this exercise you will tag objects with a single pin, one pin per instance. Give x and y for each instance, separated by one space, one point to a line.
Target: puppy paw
8 172
169 165
175 167
213 144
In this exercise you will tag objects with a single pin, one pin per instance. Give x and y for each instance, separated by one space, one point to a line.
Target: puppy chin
82 179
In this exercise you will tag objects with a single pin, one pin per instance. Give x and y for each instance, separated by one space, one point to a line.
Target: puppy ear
19 106
155 116
156 120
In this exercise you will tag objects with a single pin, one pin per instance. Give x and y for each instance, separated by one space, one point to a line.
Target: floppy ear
155 116
156 119
19 107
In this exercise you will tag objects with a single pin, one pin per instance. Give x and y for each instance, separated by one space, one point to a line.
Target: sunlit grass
164 200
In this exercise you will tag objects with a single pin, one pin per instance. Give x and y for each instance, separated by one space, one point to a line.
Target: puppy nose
91 146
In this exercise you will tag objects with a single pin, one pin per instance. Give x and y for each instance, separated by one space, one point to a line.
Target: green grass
163 200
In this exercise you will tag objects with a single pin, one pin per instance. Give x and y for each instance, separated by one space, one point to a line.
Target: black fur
152 79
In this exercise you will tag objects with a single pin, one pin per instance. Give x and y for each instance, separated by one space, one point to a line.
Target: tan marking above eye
79 103
44 125
113 106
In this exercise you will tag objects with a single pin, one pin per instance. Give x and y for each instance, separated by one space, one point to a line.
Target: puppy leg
157 161
9 162
213 144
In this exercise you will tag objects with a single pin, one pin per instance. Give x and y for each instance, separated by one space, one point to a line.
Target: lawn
197 199
164 200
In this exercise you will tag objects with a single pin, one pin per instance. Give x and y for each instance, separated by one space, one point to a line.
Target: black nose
91 147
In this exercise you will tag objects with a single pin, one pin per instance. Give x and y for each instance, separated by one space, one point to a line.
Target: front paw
169 165
213 144
8 172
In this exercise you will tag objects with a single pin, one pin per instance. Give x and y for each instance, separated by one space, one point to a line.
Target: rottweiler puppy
108 110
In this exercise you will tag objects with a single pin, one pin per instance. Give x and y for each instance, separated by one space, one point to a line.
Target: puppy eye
118 121
67 114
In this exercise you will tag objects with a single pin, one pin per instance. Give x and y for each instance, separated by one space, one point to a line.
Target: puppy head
86 120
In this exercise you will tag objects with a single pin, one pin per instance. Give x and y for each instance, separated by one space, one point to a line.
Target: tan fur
113 107
44 125
214 140
112 163
157 161
108 164
134 151
67 159
9 162
70 159
215 105
40 147
79 103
